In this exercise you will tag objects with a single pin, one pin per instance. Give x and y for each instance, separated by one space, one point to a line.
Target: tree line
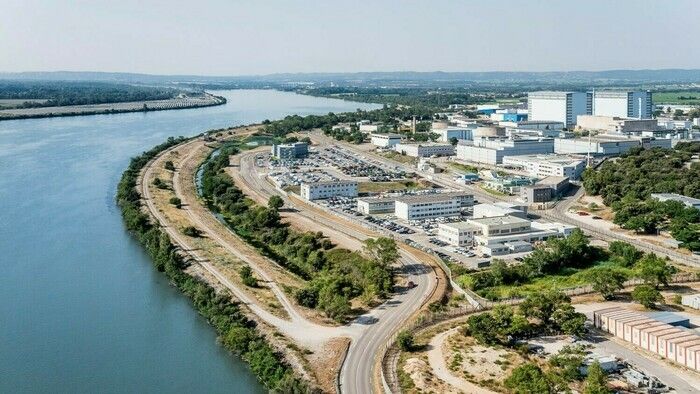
238 334
335 275
626 185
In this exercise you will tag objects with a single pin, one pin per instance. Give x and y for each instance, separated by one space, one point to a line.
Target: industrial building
328 189
426 149
290 151
545 190
533 125
368 128
673 124
424 206
449 132
492 150
500 235
614 124
663 335
623 104
607 144
509 184
559 106
687 201
499 209
548 165
385 140
373 205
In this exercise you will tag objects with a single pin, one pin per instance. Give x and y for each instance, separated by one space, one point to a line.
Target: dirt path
436 360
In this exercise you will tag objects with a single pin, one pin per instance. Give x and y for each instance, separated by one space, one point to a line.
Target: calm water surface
81 308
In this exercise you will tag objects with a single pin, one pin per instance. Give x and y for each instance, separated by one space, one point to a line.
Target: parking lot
357 167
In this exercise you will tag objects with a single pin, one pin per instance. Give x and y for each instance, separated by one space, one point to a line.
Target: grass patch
464 167
399 157
687 97
492 191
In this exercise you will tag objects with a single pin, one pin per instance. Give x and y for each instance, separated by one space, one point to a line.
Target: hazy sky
259 37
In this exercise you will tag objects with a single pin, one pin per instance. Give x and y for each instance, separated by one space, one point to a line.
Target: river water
81 307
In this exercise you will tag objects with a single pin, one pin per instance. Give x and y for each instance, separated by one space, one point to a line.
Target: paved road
381 323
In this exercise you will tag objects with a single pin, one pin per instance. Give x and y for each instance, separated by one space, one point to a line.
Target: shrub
405 341
176 202
191 231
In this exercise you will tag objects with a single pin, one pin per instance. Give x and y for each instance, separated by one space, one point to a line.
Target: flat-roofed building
424 206
624 104
499 209
687 201
616 125
458 234
328 189
373 205
425 149
509 234
545 165
385 140
290 151
691 300
607 144
533 125
492 150
558 106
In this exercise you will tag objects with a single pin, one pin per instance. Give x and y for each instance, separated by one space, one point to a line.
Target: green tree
568 362
169 165
405 341
382 250
275 202
176 202
246 274
596 382
528 379
454 141
191 231
624 253
647 295
607 281
655 270
568 320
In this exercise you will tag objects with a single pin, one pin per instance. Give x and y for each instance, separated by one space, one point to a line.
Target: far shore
207 100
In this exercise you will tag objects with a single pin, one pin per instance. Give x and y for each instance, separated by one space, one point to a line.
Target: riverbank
237 333
205 100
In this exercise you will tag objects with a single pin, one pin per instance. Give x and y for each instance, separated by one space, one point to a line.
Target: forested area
335 276
626 185
237 333
58 93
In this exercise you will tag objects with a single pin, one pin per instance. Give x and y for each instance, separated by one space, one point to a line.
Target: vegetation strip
237 333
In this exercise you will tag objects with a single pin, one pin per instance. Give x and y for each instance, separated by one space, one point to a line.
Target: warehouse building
548 165
373 205
623 104
559 106
607 144
616 125
385 140
424 206
290 151
328 189
492 150
425 150
653 334
687 201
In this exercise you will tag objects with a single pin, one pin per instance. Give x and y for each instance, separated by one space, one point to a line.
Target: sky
229 37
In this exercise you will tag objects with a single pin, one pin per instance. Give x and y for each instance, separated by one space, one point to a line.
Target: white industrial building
328 189
369 128
607 144
290 151
691 300
548 165
660 336
385 140
500 208
449 132
373 205
533 125
614 124
673 124
687 201
425 149
501 234
424 206
492 150
558 106
623 104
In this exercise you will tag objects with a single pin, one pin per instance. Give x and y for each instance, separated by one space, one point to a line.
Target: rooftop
550 158
494 221
676 197
433 197
389 135
552 180
376 200
340 182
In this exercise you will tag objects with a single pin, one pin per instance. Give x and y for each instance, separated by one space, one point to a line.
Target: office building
425 149
548 165
545 190
290 151
374 205
558 106
328 189
623 104
458 233
687 201
385 140
615 125
424 206
607 144
492 150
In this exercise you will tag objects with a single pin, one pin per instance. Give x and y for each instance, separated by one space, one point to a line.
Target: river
82 309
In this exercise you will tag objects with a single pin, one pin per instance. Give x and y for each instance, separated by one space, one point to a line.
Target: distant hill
626 76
